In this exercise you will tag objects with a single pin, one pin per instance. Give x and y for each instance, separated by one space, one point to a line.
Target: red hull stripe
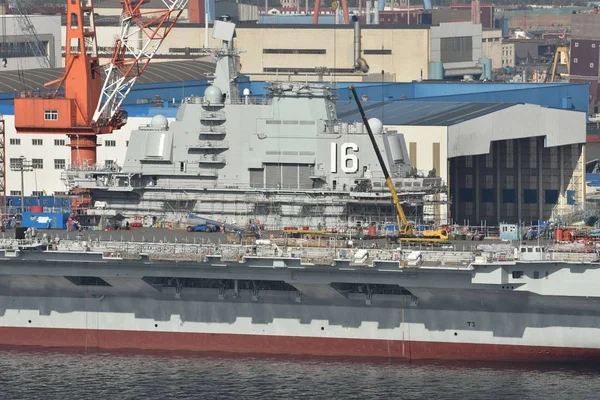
286 345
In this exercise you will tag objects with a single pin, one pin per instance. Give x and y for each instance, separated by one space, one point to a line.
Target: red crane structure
85 102
317 11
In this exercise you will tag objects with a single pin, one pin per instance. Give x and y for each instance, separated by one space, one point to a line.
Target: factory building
502 162
327 52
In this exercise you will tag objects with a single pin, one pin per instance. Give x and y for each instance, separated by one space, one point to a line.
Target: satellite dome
376 126
213 94
246 92
159 122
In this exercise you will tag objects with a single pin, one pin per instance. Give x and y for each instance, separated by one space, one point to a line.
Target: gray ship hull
287 305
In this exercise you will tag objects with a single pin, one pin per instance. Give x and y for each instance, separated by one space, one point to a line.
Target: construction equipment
563 51
83 106
406 229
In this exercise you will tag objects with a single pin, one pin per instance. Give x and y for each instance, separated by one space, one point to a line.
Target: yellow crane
406 230
563 51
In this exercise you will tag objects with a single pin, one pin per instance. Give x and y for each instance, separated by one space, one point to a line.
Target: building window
59 142
15 163
15 142
37 193
59 163
37 142
127 143
575 60
321 71
23 49
15 192
456 49
468 162
576 44
376 52
37 163
110 143
51 115
294 51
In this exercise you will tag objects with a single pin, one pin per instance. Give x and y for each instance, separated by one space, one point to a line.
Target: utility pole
22 166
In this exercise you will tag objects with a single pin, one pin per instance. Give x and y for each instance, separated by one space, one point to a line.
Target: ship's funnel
359 63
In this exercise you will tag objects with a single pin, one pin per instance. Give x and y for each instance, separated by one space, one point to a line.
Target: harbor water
50 374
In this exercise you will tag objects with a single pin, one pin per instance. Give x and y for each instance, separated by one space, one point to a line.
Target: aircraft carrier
489 302
283 159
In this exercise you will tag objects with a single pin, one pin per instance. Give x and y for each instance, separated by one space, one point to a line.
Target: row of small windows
23 49
37 142
509 196
60 142
33 193
576 44
38 163
308 70
378 52
321 51
576 60
294 51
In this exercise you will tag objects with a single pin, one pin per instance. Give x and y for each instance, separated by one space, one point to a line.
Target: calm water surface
42 374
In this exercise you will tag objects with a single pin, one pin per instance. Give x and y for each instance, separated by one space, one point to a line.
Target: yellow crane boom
406 230
404 227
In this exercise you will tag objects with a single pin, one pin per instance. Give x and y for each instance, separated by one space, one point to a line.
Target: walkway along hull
318 330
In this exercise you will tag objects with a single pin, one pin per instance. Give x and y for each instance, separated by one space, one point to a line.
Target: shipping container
43 220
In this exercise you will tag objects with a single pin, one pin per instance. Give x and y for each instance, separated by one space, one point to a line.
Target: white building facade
51 154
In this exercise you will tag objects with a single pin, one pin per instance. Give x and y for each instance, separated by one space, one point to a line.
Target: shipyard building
327 52
502 162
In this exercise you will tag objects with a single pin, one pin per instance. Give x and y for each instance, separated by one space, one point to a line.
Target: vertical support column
519 183
456 199
582 158
563 192
540 152
476 189
2 171
498 183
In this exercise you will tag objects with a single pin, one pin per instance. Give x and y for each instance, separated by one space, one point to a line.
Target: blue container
391 228
45 220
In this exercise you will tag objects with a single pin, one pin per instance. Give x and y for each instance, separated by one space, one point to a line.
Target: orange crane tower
84 103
